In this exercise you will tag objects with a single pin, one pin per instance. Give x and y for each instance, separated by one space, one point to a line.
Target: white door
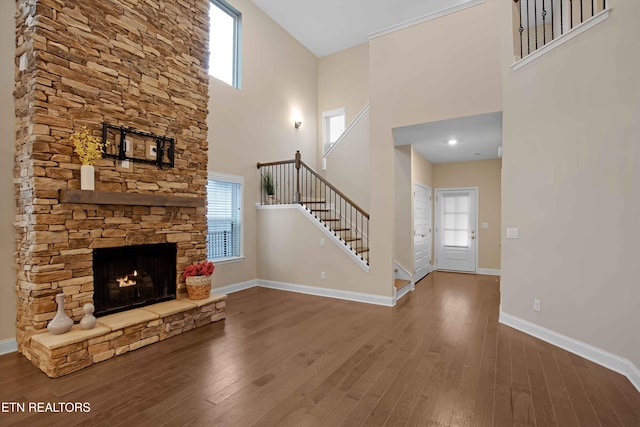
456 237
421 231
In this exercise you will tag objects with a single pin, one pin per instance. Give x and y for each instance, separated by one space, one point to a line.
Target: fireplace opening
128 277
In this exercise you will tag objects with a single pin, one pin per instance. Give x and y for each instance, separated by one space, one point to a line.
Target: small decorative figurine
89 320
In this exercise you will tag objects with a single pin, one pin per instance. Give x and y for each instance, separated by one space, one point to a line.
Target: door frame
436 223
413 228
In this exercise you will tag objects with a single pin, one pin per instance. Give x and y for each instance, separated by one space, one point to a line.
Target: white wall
290 252
571 184
348 164
255 124
414 79
7 153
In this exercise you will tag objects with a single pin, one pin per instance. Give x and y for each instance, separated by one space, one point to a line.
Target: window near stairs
333 125
224 217
224 42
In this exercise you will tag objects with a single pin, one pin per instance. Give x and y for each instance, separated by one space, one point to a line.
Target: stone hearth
123 62
119 333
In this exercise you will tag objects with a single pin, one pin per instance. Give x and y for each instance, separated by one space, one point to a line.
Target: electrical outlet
536 305
512 233
322 275
125 164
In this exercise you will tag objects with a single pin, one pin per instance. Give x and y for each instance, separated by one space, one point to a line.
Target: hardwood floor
439 358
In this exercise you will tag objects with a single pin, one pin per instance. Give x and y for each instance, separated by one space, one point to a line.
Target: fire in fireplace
133 276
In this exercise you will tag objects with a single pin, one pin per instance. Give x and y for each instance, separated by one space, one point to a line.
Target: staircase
403 282
294 182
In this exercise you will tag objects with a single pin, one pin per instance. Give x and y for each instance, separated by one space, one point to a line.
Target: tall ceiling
328 26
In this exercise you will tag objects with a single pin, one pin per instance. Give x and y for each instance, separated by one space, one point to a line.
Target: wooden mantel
128 199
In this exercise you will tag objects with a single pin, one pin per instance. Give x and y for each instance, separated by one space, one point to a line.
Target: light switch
322 243
512 233
485 225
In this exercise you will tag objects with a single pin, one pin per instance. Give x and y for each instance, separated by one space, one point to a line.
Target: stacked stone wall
135 63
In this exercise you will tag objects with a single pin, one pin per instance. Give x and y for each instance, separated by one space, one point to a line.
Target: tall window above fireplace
133 276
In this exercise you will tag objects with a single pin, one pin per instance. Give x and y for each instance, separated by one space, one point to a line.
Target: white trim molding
403 273
594 354
8 346
309 290
425 18
399 293
236 287
353 123
560 40
330 293
489 271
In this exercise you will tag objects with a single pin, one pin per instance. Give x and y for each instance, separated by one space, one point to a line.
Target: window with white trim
224 217
333 124
224 42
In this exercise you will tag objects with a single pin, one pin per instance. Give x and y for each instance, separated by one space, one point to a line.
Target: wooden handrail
338 192
282 162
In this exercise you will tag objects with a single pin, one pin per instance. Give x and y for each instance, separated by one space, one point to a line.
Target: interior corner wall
343 79
421 170
484 174
571 152
255 123
7 154
414 80
403 227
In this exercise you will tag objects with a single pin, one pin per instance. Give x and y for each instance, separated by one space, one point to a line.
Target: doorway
455 229
422 231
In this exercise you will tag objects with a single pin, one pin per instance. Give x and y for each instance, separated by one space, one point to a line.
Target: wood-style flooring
439 358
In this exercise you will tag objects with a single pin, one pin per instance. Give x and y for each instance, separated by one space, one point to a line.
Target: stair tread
401 283
352 239
330 219
308 202
341 229
320 210
360 249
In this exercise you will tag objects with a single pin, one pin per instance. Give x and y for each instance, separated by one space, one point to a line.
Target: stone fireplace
136 64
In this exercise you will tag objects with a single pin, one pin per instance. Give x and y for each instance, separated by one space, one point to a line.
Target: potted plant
269 187
89 148
198 279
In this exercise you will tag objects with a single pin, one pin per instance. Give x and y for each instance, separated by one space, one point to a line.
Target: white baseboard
8 346
403 291
236 287
594 354
331 293
489 271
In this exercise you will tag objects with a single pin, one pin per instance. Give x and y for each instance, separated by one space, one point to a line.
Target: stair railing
295 182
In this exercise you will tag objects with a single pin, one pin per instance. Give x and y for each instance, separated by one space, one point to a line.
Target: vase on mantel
87 177
61 323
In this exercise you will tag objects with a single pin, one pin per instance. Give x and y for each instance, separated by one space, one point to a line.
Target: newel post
296 198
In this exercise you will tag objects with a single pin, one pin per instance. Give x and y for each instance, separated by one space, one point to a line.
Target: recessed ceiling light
453 141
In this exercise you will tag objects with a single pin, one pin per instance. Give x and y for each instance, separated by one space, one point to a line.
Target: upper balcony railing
538 22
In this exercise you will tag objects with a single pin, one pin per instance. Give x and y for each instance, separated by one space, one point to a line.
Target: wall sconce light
297 124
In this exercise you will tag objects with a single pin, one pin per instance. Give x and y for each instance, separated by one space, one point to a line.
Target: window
456 220
224 217
333 125
224 42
